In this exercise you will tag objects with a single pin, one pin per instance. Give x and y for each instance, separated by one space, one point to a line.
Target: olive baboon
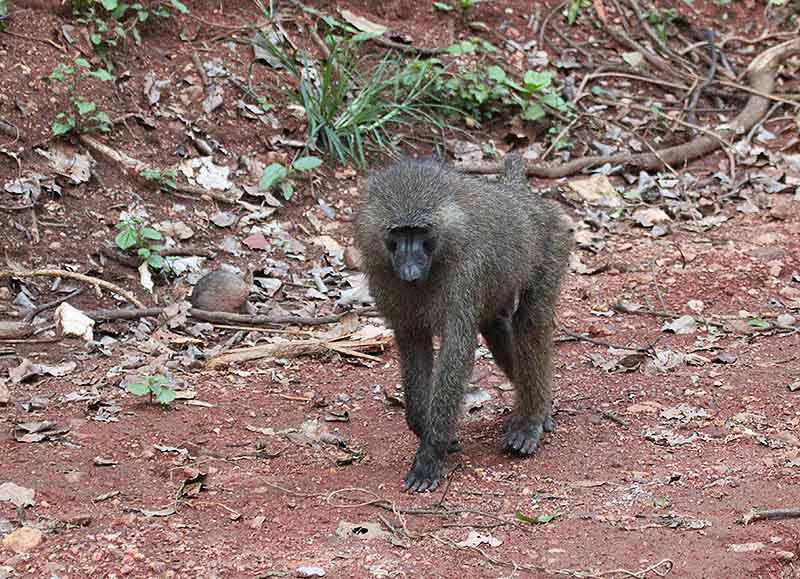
452 255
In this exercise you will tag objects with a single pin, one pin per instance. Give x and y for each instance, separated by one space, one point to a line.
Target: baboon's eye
391 245
429 245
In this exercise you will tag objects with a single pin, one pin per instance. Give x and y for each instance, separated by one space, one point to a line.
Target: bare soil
628 504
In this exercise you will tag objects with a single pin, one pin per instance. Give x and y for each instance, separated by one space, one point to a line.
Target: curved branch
98 283
761 78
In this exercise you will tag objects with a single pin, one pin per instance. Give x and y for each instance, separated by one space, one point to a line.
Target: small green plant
82 115
558 141
277 175
134 234
3 13
481 90
110 22
351 108
574 9
164 177
535 93
660 21
153 385
464 6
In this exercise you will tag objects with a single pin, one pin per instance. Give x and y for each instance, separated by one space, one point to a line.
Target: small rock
19 496
724 358
258 522
23 540
310 571
745 547
781 209
71 322
220 291
648 217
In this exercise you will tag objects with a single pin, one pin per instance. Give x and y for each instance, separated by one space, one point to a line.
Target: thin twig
574 337
557 8
98 283
40 308
223 317
712 71
770 514
36 39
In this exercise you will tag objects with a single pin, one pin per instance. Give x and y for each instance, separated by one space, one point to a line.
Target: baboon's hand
425 474
522 434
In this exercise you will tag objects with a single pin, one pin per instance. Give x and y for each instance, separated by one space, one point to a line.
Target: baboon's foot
426 472
549 424
522 435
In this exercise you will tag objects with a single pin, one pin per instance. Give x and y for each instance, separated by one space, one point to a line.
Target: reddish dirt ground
271 503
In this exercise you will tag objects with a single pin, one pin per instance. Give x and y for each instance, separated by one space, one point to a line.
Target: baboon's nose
410 273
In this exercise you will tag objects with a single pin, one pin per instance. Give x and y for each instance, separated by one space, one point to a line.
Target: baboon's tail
514 168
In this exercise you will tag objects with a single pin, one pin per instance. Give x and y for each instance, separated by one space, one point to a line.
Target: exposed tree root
761 78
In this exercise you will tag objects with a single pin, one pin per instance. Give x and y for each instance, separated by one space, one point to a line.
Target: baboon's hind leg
532 347
498 334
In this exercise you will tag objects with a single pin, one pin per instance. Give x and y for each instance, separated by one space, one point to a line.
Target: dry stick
137 166
655 38
575 337
622 14
297 348
762 79
662 568
560 136
10 131
604 72
771 97
558 8
223 317
386 504
656 61
765 36
134 261
712 72
726 147
407 48
760 123
586 54
771 514
533 21
39 309
36 39
98 283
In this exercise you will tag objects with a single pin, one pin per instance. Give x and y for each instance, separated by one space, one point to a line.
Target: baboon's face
411 250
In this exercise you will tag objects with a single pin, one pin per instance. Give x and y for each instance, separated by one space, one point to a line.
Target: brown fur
500 254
